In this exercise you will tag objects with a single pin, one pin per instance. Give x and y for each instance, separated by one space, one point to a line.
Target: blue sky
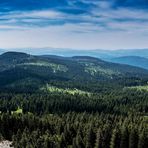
77 24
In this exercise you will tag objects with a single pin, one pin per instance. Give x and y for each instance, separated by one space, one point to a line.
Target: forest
117 119
79 102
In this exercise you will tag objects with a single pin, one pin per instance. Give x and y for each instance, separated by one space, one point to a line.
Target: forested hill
22 70
76 102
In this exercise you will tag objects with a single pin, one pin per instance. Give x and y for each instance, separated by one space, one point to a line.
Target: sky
76 24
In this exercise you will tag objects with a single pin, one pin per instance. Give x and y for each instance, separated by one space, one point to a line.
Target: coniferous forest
81 102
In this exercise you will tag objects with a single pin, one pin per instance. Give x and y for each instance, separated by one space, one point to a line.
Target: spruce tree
133 138
115 140
143 139
124 137
90 138
98 139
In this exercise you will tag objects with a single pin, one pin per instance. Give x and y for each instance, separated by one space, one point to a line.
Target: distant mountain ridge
132 60
2 51
99 53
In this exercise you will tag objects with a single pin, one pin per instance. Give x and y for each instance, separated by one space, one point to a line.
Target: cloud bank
83 24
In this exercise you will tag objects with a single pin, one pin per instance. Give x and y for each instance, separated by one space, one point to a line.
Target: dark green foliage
133 138
116 119
143 139
105 120
109 115
115 138
41 131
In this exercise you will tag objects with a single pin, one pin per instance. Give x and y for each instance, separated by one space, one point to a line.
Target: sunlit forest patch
55 67
53 89
139 88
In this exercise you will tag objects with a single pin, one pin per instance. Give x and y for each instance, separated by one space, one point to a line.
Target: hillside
132 60
71 102
25 71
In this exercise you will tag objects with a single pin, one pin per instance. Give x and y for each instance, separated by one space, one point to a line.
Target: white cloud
100 28
34 14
